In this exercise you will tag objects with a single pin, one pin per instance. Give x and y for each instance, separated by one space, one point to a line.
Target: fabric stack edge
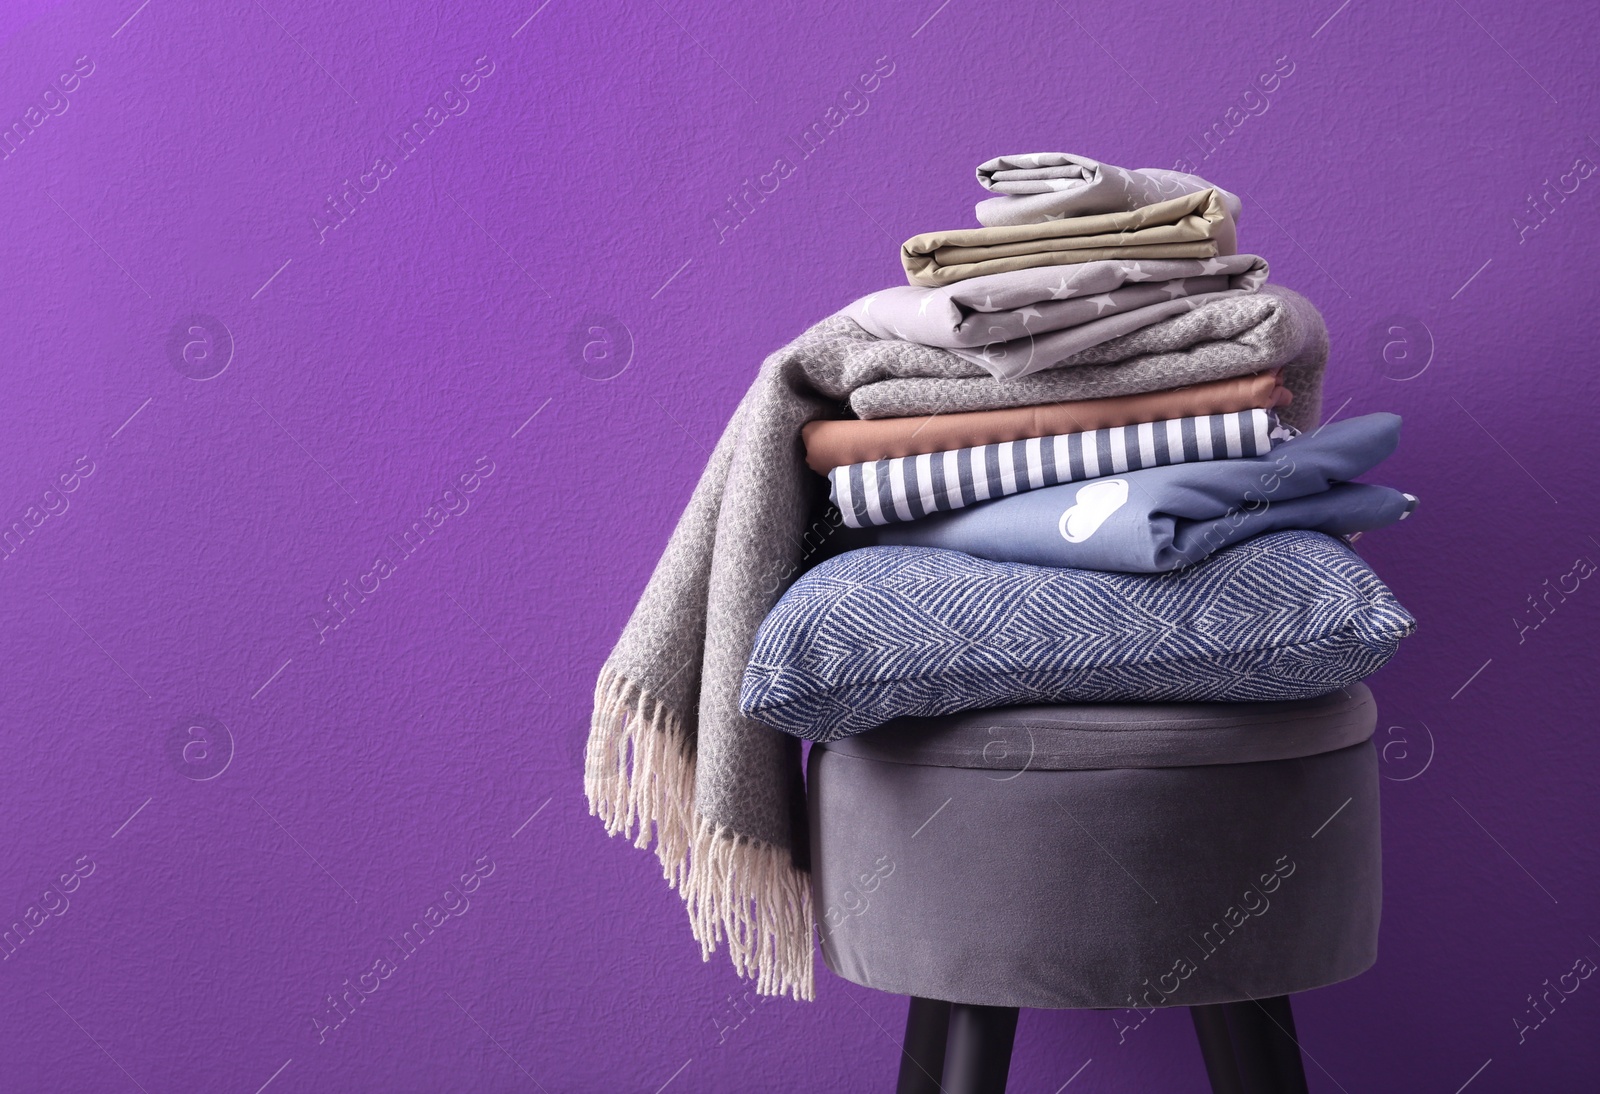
1014 319
639 776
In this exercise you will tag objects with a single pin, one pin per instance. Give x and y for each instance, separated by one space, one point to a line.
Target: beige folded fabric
1196 225
831 444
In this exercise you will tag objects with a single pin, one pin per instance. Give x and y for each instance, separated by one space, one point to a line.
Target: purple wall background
441 327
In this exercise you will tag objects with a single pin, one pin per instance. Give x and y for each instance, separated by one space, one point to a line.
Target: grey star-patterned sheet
1196 225
1041 186
1024 321
1166 518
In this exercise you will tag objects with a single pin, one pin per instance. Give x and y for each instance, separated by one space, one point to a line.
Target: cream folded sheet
1197 225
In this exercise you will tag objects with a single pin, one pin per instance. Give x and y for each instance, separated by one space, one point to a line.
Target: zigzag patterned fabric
911 487
882 632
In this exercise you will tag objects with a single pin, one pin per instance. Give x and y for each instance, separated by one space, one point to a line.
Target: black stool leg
1216 1048
922 1055
1291 1069
1267 1046
1252 1047
978 1057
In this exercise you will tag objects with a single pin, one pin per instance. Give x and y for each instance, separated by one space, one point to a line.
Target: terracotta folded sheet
831 444
1197 225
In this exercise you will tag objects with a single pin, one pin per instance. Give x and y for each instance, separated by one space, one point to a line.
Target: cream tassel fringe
639 772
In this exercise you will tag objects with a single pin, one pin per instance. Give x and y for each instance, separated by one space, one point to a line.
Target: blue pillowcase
1165 518
883 632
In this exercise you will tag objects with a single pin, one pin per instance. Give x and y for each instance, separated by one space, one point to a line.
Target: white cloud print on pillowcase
1094 503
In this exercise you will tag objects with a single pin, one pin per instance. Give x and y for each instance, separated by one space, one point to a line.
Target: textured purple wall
227 394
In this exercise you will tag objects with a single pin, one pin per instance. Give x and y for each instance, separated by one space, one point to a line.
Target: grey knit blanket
670 758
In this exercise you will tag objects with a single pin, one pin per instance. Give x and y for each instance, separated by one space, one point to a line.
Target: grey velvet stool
1219 856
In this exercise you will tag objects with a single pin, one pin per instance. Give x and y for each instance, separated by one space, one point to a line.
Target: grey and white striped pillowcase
911 487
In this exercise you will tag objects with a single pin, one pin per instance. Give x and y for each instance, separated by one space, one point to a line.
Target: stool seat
1102 856
1090 736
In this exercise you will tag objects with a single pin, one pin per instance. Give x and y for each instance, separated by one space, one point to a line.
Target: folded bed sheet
834 443
1234 336
1021 322
1196 225
912 487
1167 518
1040 186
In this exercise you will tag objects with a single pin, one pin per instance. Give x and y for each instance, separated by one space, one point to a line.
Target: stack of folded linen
1064 459
1168 537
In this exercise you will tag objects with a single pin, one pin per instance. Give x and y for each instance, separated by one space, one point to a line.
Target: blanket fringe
638 774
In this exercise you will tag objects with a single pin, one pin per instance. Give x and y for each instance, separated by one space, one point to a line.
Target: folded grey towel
1023 321
1043 186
